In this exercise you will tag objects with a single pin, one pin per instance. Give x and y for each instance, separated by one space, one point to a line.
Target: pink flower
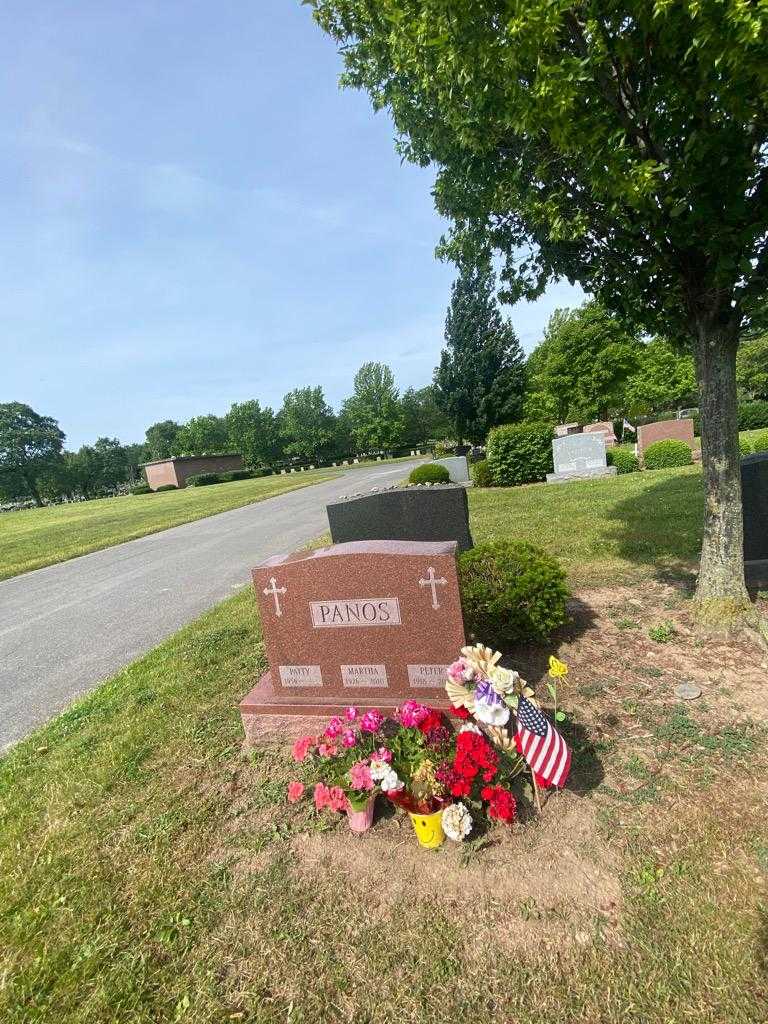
349 739
334 727
360 776
301 747
327 750
371 721
337 799
322 796
411 713
351 714
382 754
460 671
295 791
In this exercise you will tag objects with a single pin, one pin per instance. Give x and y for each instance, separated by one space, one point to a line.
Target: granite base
580 474
272 717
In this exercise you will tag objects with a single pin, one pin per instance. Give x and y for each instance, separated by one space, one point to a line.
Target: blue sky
194 214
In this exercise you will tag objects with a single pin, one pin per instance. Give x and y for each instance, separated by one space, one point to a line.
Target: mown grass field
42 536
624 528
150 870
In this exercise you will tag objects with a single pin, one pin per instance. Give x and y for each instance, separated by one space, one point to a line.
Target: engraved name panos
301 675
364 675
356 611
432 676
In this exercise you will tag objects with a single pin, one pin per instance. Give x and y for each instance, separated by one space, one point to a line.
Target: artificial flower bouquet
504 708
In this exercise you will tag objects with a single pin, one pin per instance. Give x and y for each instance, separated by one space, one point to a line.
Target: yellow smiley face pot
428 829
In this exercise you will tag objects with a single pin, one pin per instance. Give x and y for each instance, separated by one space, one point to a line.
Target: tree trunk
721 594
32 485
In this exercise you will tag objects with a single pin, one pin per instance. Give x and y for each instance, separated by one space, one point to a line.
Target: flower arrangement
416 759
497 698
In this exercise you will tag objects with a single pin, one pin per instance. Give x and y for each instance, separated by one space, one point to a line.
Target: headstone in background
370 623
754 499
579 457
437 513
605 427
564 429
664 430
458 469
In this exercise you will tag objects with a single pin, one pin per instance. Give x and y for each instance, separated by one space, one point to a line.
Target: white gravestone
458 469
579 457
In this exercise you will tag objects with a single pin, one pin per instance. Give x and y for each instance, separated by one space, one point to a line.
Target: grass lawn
623 528
150 870
43 536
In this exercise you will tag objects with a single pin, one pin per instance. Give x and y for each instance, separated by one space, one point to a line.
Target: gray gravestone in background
754 496
439 512
457 467
579 457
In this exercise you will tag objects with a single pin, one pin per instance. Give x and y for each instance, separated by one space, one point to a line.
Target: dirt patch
510 891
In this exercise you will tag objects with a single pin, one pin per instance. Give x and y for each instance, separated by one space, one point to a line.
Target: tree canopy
480 380
307 424
30 446
373 411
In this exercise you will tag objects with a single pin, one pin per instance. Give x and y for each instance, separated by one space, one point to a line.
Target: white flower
503 680
491 714
457 822
471 727
468 674
390 783
379 769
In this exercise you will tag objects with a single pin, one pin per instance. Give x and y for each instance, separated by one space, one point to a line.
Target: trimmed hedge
760 442
481 474
430 473
520 453
753 415
667 454
203 479
623 458
745 445
141 489
166 487
511 592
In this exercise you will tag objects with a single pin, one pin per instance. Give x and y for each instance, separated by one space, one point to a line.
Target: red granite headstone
605 427
664 430
370 623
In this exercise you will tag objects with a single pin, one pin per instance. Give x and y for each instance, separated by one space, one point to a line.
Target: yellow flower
557 669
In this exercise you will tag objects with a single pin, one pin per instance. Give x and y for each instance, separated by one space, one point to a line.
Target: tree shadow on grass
661 527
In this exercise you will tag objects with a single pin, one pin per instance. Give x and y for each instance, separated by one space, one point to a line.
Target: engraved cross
274 590
434 583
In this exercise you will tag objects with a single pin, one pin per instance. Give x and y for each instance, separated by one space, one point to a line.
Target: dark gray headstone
754 496
428 513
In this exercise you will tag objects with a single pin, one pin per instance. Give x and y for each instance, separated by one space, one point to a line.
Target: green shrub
481 474
753 415
235 474
520 453
746 447
666 454
511 592
204 479
623 458
760 442
429 473
443 449
141 489
166 487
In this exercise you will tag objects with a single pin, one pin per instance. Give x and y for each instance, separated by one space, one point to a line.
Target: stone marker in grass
579 457
370 623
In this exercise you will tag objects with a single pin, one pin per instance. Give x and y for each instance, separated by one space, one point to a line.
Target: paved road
68 626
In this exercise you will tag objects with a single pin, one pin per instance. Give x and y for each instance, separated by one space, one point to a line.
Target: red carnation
501 804
434 720
459 712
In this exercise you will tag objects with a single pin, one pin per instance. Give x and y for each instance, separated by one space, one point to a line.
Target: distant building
178 470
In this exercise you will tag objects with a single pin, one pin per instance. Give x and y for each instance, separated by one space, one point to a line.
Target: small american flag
542 746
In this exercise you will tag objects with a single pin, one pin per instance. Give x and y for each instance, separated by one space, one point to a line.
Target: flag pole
536 791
